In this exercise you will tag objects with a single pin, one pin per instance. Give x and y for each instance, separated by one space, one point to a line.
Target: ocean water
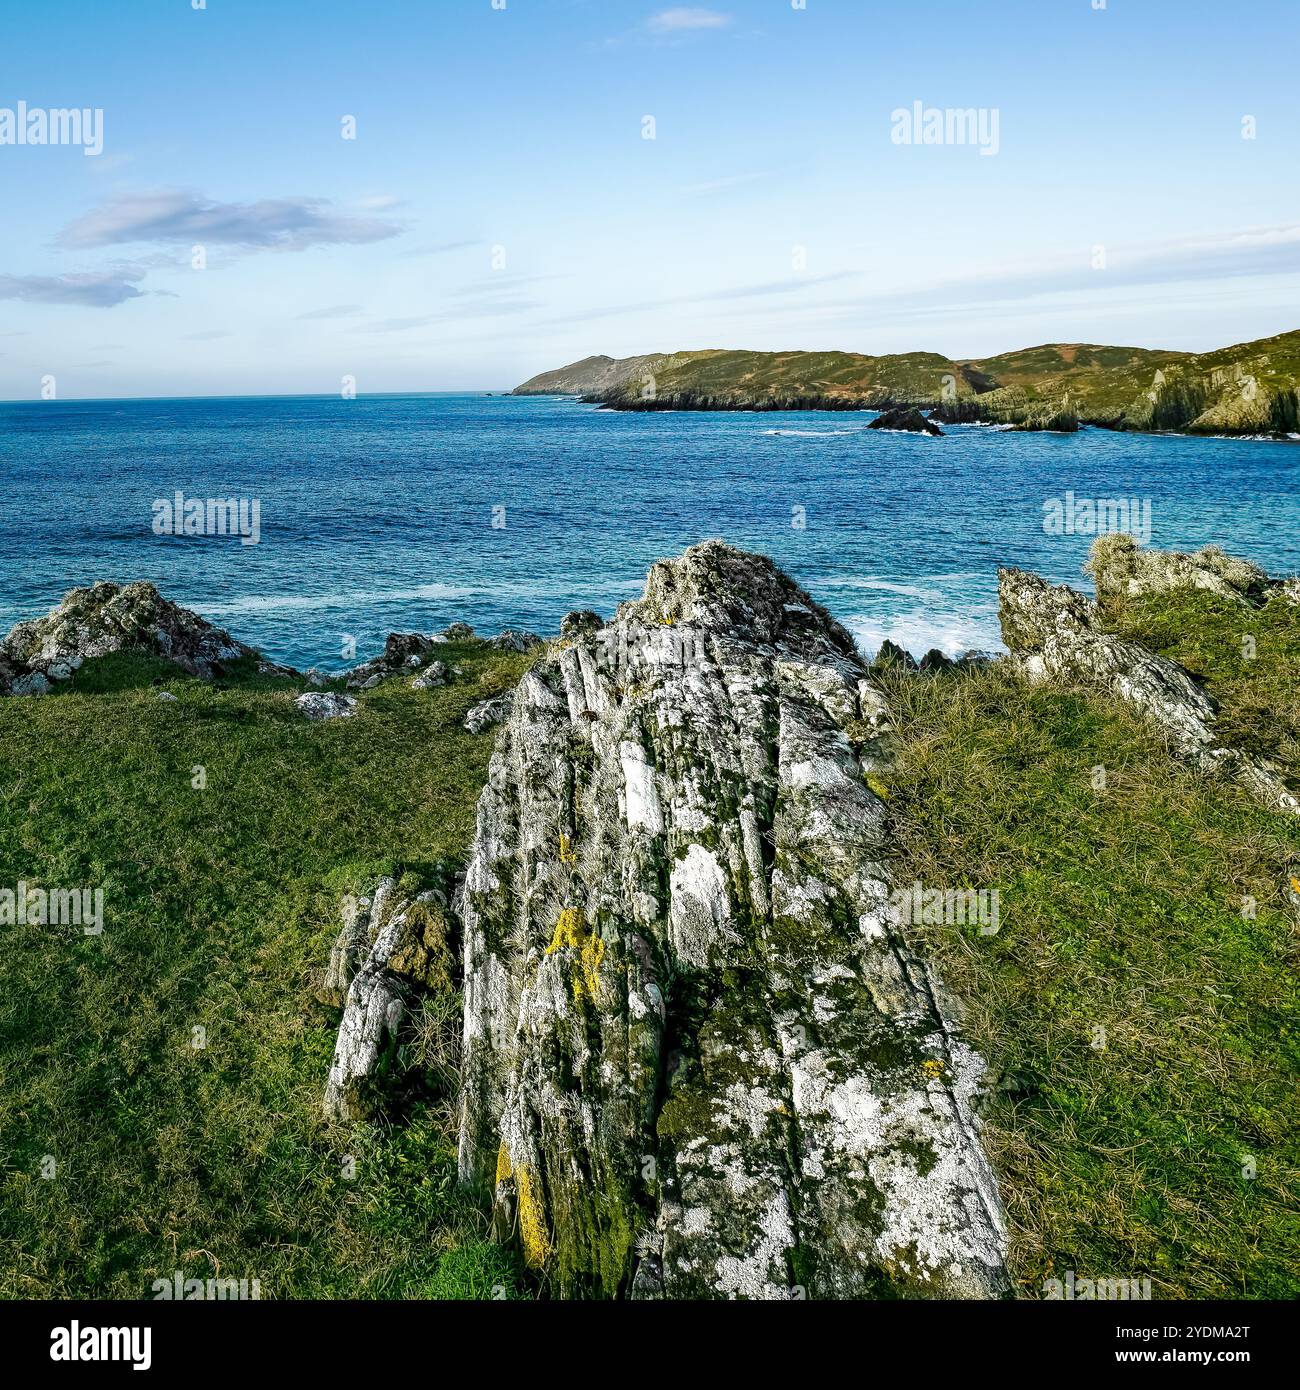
377 514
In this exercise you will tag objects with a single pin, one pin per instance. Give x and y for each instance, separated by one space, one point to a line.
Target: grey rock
1054 632
32 683
433 676
106 618
458 632
166 695
403 652
488 713
1120 566
696 1038
326 704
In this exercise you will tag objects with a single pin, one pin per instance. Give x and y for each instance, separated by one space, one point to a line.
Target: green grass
1121 910
1247 658
220 908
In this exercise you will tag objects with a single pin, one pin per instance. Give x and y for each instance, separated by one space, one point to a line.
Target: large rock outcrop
700 1057
1121 568
106 618
1052 631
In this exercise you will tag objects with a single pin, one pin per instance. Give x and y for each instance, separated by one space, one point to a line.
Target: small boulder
459 632
433 676
580 621
488 713
326 704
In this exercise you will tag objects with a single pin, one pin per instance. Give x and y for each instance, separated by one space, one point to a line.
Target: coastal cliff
1248 389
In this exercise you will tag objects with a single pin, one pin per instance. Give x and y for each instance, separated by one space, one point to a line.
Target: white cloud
686 18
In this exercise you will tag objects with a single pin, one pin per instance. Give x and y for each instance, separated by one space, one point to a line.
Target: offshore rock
906 418
1054 632
700 1057
104 618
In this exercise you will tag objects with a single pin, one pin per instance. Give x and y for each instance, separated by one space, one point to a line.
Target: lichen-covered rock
104 618
700 1057
1052 631
432 677
488 713
1120 567
391 945
326 704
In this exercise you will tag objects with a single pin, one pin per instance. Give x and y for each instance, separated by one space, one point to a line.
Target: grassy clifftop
1141 1027
1249 388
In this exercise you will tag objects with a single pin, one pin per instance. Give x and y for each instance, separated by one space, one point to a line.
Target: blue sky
500 212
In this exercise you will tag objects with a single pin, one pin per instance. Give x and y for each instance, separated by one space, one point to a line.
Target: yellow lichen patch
568 855
504 1169
532 1223
932 1067
569 931
593 952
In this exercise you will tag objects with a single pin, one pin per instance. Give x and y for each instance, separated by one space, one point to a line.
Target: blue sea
407 512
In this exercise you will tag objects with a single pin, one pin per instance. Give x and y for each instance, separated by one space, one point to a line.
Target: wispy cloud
441 249
686 19
730 181
209 335
333 311
101 289
271 224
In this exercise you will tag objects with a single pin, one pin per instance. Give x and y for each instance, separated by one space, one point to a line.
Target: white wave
810 434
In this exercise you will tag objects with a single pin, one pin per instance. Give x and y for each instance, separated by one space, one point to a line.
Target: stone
459 632
488 713
93 622
905 418
1119 566
326 704
701 1057
432 677
403 652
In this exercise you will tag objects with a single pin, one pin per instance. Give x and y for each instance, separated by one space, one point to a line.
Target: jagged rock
106 618
891 654
904 418
516 640
1120 567
390 946
403 652
701 1059
458 632
1052 631
488 713
326 704
433 676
